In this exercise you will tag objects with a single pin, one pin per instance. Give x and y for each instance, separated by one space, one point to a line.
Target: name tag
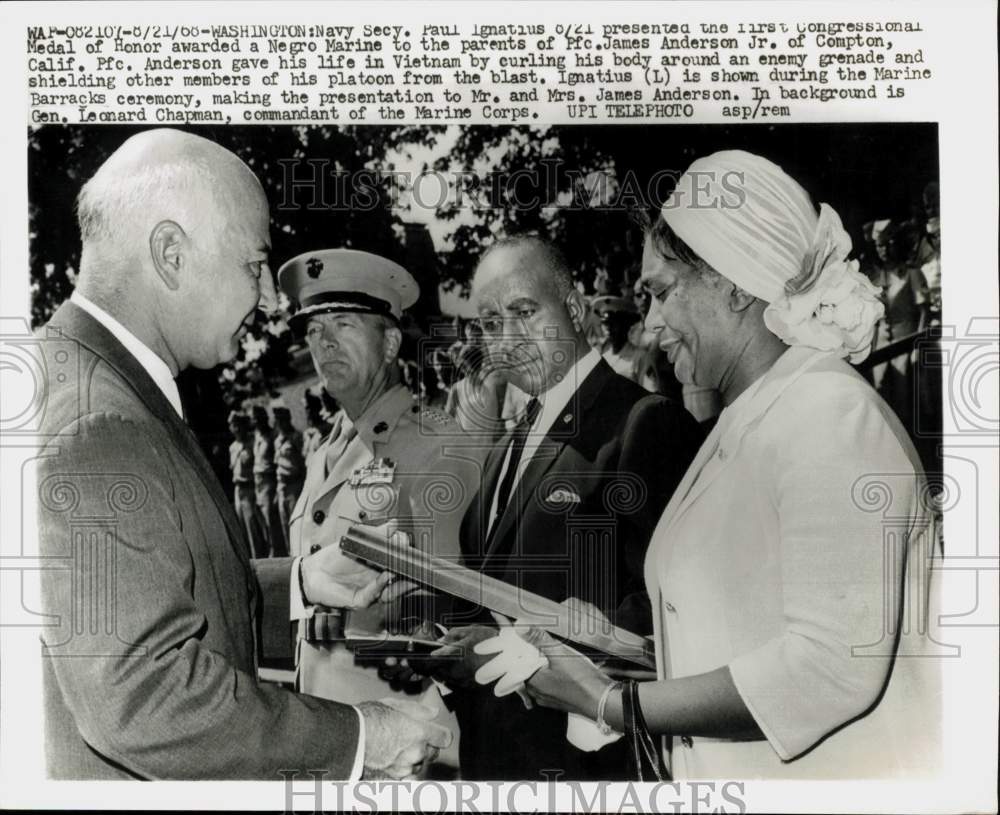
379 471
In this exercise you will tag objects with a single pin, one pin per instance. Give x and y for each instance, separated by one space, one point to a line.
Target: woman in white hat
787 575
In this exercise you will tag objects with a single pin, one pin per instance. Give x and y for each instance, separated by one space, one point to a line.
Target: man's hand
399 671
455 663
331 578
400 738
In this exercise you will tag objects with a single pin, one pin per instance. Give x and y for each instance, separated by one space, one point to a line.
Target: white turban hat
756 226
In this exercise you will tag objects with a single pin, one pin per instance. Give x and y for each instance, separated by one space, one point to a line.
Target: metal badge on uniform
378 471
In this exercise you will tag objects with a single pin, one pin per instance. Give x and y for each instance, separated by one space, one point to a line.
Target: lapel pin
568 418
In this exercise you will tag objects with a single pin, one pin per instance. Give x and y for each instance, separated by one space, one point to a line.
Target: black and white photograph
575 456
331 338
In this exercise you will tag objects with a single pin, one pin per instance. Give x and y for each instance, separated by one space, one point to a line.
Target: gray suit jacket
149 660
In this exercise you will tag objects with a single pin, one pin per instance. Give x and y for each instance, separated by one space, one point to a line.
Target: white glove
516 661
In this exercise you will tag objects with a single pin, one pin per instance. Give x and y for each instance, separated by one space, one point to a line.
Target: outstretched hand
401 738
331 578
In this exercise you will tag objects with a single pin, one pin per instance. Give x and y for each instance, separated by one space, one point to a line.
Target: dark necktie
518 439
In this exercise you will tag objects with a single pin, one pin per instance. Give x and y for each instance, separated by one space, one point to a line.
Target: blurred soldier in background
265 480
289 465
241 465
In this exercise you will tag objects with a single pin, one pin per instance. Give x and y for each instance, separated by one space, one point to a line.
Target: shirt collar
382 415
157 369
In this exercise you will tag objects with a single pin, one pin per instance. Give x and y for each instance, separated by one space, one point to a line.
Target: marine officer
385 459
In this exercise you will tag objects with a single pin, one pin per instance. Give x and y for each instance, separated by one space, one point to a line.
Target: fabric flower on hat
830 306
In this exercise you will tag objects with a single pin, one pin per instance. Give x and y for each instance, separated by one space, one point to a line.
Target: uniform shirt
288 459
241 462
312 438
428 494
263 453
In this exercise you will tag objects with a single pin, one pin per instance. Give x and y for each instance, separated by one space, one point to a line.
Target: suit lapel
556 438
78 325
690 487
477 518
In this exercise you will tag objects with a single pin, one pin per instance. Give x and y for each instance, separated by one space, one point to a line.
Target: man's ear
391 340
165 242
740 299
577 308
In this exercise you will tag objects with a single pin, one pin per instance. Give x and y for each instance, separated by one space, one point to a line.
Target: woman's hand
569 681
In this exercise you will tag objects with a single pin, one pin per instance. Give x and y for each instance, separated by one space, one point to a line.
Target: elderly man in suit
568 501
149 667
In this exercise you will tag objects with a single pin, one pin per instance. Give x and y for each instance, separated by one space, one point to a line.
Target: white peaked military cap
339 280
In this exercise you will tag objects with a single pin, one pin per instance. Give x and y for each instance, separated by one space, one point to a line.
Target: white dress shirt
157 369
553 402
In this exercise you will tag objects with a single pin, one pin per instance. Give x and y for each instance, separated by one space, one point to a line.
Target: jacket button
687 741
362 514
314 548
318 516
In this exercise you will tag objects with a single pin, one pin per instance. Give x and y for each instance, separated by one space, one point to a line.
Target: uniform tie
347 433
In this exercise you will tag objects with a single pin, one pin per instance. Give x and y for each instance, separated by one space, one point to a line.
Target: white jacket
782 555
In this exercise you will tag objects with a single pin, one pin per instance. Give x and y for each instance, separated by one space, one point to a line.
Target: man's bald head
526 255
161 175
175 233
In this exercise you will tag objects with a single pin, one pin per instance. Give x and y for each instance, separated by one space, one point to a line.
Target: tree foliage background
575 184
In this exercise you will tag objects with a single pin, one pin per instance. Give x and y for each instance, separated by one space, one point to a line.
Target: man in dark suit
568 501
150 664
